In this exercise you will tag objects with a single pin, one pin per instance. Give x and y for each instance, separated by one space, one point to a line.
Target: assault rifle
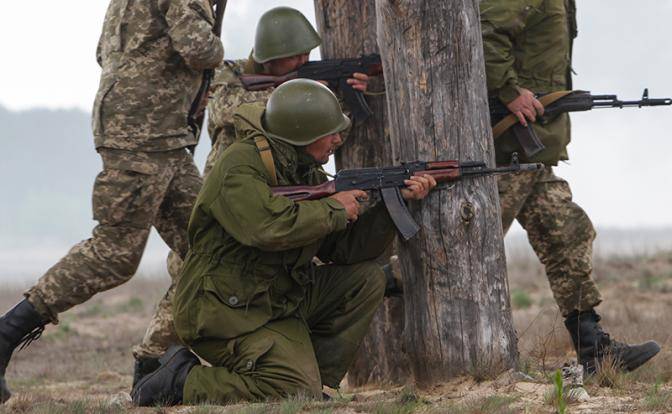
335 71
390 180
196 114
560 102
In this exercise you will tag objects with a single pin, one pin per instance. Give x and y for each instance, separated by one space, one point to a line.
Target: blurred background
620 167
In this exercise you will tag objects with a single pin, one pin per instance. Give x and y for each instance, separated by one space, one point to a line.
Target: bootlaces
31 336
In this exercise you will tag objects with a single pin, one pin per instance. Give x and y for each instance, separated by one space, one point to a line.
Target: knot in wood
467 211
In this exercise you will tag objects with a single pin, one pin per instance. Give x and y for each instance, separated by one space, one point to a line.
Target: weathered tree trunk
348 29
457 311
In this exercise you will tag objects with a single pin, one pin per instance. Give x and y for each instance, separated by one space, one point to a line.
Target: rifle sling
511 119
266 157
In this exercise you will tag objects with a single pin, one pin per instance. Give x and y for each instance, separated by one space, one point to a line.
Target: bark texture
457 310
348 29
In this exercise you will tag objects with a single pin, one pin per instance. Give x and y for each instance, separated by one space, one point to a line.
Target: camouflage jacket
227 94
528 44
152 54
251 252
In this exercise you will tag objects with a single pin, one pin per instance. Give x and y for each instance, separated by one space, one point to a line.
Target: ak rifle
559 102
390 180
335 72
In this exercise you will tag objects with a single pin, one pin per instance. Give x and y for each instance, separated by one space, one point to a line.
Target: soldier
283 41
528 48
152 54
251 301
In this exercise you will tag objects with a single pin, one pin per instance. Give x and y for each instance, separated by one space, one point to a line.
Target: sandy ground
84 364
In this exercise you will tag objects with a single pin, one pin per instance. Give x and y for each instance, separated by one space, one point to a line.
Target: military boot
21 324
165 385
143 367
593 345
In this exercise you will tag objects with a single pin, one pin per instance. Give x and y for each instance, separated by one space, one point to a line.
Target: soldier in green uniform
152 54
528 48
251 300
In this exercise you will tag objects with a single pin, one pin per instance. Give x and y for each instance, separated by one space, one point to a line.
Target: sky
621 160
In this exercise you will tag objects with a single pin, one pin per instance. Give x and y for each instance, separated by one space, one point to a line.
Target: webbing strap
512 119
266 157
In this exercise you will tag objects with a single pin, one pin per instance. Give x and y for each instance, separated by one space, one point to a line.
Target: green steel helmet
302 111
283 32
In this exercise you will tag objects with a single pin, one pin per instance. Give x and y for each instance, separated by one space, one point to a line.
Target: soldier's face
324 147
282 66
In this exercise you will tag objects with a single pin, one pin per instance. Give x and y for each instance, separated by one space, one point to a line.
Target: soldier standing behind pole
152 54
283 41
528 49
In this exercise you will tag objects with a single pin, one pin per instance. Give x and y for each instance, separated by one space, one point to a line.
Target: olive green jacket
251 253
528 44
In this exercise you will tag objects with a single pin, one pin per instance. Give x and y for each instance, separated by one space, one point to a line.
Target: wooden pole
348 29
457 310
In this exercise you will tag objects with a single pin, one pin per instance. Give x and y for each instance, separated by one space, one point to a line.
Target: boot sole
164 360
643 358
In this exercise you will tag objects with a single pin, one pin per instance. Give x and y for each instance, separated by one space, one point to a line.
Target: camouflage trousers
559 231
134 192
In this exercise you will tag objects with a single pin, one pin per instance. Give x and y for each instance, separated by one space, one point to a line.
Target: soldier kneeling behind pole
251 302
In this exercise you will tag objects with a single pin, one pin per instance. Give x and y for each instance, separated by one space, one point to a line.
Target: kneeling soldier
251 301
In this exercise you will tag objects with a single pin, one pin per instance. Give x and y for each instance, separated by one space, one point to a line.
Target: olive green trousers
295 355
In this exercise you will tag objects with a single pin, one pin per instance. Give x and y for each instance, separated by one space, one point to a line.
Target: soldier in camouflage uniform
152 54
251 301
528 47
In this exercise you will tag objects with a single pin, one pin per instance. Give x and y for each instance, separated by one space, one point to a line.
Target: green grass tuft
520 299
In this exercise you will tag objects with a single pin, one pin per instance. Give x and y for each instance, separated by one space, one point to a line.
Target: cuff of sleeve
508 93
340 216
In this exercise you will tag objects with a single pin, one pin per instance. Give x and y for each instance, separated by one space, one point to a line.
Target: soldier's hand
350 200
359 81
525 107
418 187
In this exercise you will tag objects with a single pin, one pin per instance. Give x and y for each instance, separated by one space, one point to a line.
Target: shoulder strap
266 157
511 120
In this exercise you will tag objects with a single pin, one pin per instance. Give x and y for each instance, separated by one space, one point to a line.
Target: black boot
165 385
21 324
592 344
143 367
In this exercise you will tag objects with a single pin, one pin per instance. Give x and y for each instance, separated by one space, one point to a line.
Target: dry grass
81 364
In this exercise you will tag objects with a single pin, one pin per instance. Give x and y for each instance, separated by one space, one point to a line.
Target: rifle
390 180
335 71
560 102
196 115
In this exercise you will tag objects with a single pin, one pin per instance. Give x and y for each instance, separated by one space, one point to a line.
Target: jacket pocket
232 306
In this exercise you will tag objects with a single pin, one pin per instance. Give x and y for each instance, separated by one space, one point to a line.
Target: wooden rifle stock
306 192
260 82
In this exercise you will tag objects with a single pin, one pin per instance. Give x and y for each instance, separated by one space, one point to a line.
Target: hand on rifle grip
526 106
350 201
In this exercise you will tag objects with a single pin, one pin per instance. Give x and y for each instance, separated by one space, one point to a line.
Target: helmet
283 32
302 111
